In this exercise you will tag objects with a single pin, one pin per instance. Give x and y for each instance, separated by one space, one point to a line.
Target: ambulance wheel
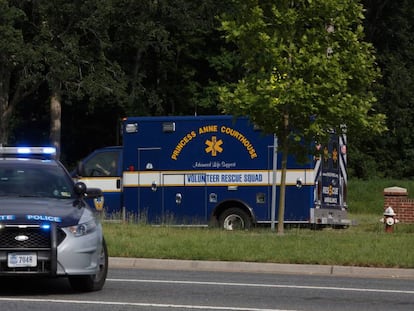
235 219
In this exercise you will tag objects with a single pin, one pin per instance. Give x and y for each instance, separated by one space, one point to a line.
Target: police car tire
88 283
235 212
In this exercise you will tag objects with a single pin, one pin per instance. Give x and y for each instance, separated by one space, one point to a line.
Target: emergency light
29 152
131 128
45 226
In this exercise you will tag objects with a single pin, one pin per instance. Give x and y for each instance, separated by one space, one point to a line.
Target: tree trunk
5 108
55 121
282 195
4 122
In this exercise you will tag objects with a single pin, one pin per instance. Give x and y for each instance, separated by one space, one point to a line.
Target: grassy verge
333 247
366 197
363 245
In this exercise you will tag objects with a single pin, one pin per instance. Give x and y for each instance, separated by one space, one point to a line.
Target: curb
254 267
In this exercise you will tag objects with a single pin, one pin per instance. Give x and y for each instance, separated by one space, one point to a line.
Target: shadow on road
23 286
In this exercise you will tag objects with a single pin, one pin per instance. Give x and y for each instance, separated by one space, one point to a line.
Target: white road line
135 304
374 290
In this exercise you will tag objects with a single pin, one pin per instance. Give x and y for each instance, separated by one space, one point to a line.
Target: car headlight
83 229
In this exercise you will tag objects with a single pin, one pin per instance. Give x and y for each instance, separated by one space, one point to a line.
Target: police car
47 227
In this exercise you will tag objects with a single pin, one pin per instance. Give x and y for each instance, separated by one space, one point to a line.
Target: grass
365 244
366 197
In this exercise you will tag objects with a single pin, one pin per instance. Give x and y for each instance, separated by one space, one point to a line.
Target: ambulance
214 170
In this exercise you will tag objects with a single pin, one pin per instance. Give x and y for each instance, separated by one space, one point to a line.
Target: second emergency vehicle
203 170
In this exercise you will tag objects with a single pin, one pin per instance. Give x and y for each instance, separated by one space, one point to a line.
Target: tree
390 28
163 47
73 38
59 45
306 70
20 70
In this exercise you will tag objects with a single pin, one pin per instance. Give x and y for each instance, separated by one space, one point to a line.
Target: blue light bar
23 150
29 152
49 150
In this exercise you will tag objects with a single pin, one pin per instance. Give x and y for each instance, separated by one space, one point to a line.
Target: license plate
19 260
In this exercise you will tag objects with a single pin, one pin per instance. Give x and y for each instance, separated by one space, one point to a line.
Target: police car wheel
234 219
88 283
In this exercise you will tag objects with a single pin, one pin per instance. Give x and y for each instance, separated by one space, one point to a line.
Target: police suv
46 226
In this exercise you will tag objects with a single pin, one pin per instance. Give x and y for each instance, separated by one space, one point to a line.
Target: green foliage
11 38
163 47
307 70
366 196
74 40
389 26
294 66
58 48
20 71
362 160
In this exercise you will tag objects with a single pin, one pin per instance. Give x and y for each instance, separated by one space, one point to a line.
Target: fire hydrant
389 219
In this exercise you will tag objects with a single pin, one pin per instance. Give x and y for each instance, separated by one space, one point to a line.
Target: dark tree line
105 60
389 25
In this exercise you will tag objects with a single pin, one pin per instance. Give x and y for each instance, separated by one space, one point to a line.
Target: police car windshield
26 180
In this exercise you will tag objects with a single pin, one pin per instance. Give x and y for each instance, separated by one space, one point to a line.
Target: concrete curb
254 267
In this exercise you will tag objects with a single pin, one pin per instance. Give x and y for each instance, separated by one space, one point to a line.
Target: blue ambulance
214 170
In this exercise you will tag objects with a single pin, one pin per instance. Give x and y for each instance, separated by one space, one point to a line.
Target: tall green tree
20 69
62 46
306 70
164 47
73 37
390 27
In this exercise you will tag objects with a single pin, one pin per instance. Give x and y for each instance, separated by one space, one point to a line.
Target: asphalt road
187 285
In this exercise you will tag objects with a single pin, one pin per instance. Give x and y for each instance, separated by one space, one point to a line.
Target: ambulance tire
234 219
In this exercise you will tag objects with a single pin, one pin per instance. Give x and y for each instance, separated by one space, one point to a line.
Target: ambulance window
102 164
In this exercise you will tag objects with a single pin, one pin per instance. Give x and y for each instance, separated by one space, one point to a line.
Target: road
160 290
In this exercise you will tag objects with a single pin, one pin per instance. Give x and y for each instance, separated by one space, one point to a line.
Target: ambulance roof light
168 127
131 127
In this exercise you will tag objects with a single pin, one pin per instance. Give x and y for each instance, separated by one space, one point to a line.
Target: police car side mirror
80 188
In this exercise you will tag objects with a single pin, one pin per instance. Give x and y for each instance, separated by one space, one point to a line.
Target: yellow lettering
207 129
241 138
181 144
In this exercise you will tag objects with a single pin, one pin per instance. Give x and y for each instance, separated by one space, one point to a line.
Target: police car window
102 164
29 181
